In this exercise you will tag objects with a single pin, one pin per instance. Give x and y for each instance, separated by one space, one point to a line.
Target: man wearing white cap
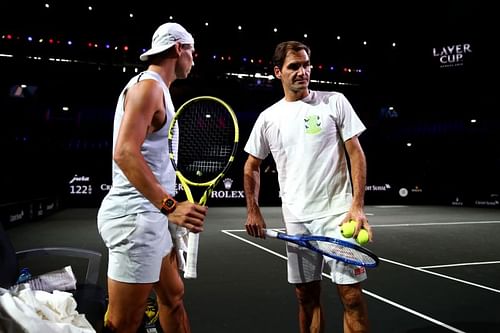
139 219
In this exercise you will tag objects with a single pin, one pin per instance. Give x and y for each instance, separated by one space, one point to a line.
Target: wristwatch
168 205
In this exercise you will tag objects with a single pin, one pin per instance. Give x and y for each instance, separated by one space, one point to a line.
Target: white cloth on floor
43 312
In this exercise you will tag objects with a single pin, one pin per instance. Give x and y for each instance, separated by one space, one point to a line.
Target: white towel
43 312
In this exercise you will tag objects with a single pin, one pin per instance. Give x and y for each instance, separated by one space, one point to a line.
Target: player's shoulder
150 79
144 87
326 95
334 98
149 74
273 108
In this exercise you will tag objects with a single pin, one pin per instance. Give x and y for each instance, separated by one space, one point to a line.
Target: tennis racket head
203 140
342 250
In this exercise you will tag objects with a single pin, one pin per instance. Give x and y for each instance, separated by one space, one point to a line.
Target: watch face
170 203
168 206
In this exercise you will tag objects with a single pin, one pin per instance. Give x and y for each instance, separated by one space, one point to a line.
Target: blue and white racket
331 247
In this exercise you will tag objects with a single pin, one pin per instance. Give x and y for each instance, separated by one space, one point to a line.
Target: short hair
282 49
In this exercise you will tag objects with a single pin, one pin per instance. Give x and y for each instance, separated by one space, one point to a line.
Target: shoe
151 316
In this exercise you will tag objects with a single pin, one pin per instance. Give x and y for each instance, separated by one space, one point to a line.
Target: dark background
451 160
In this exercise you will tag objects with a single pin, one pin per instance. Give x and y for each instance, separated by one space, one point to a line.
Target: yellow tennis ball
347 229
362 237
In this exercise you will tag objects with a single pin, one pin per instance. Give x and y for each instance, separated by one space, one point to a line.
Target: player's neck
292 96
164 72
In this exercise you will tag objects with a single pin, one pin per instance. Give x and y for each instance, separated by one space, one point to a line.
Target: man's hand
189 215
255 224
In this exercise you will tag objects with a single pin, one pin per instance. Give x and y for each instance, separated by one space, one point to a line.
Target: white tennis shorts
137 245
305 265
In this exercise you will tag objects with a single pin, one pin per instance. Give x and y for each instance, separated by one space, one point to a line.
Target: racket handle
271 233
192 256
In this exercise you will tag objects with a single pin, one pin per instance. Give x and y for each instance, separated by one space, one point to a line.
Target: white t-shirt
306 139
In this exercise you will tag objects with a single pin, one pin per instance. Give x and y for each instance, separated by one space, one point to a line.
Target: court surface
439 270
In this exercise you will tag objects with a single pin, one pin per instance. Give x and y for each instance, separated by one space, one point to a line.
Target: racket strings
206 135
205 166
338 250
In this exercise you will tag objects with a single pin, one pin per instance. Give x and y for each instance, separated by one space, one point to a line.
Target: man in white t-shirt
310 135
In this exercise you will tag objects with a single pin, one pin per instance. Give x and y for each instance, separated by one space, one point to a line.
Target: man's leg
127 302
310 311
170 296
355 308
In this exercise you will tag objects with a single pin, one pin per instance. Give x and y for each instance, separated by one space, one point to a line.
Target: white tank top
123 198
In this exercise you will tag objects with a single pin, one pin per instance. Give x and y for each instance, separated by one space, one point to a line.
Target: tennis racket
331 247
202 139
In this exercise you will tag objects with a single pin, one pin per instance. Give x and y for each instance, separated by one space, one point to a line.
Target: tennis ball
347 229
362 237
199 173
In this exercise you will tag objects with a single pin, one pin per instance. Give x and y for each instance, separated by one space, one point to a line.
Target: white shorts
305 265
137 245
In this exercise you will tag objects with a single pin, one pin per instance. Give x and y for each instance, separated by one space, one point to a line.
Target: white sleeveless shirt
123 198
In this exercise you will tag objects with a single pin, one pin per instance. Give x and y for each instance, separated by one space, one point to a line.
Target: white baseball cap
165 37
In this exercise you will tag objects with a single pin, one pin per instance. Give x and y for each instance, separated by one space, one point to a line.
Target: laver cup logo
452 55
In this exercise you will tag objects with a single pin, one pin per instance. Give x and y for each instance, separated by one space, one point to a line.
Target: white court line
462 264
431 224
404 308
440 275
228 232
424 268
416 313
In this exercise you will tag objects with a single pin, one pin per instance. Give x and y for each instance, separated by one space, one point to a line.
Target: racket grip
271 233
190 271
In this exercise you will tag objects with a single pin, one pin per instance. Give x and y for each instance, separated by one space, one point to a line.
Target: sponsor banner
86 190
492 200
476 200
225 193
386 193
458 201
28 210
80 185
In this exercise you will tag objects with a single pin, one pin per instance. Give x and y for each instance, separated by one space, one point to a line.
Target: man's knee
173 299
124 322
351 296
308 293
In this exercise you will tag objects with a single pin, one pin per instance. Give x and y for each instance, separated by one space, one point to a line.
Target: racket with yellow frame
203 140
